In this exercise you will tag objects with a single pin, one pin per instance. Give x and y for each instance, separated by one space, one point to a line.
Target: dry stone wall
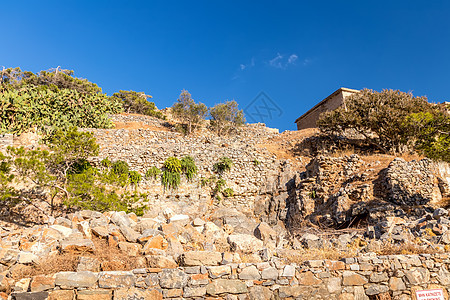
144 148
412 183
208 275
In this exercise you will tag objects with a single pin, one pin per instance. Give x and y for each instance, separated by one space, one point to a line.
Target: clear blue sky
297 52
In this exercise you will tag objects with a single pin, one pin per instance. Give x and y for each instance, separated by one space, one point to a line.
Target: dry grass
388 248
110 258
354 249
302 255
138 125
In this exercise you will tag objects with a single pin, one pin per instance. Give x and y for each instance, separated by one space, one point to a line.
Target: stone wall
144 148
28 140
412 183
209 275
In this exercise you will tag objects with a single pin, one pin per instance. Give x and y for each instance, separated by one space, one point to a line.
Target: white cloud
292 58
280 62
249 65
276 61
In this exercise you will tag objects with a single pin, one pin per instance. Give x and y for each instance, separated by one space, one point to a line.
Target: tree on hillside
54 79
226 117
64 173
431 130
136 102
378 116
189 112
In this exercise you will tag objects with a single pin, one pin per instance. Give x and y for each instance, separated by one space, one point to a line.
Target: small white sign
435 294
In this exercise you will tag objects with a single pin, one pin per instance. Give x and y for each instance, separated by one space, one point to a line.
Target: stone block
83 279
201 258
173 279
97 294
226 286
116 279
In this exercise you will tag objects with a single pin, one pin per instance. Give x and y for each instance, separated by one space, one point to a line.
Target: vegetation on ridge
393 122
63 174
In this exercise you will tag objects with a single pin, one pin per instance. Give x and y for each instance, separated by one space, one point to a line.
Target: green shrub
170 179
79 166
134 177
106 163
153 172
223 165
173 164
120 167
88 192
171 176
220 184
44 109
256 162
188 167
218 198
228 192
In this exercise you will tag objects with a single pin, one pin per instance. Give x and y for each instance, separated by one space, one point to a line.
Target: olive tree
226 117
137 102
189 112
378 116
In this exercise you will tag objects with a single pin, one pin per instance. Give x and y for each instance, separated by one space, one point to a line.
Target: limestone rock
219 271
259 292
201 258
226 286
245 243
265 233
135 293
115 279
199 291
417 276
88 264
270 273
250 273
161 261
41 283
73 244
352 278
83 279
97 294
173 279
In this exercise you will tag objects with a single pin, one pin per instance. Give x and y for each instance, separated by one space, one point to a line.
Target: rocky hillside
289 206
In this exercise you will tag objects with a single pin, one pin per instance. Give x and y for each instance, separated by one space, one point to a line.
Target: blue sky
296 52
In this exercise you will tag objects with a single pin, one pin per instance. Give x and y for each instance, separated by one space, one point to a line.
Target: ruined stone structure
336 99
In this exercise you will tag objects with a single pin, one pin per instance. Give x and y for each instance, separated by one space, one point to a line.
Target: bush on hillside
135 102
31 107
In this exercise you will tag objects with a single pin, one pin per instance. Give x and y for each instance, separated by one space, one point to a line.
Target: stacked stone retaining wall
366 277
